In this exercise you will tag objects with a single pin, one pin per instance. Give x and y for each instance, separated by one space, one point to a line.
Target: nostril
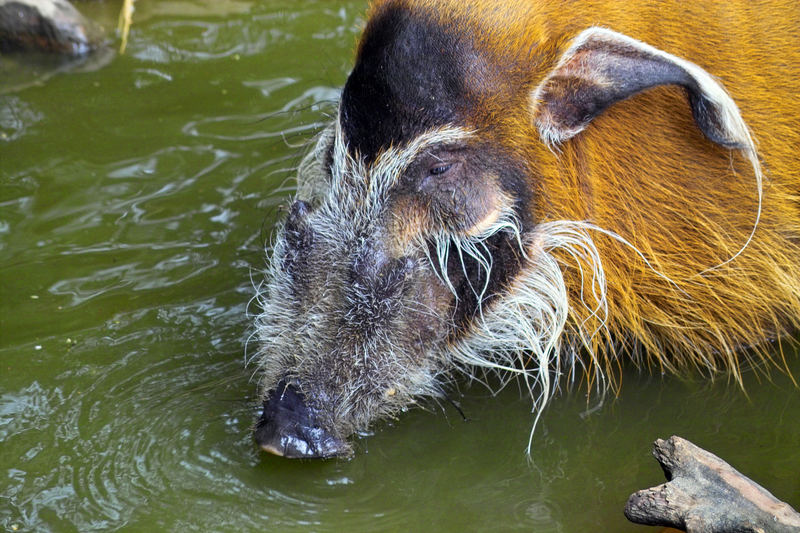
288 428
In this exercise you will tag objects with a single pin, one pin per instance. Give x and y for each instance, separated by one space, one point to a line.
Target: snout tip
288 428
294 447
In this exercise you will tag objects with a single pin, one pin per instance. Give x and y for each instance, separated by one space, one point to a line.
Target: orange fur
644 171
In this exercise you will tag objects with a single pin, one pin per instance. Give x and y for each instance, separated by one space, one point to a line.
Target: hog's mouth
289 428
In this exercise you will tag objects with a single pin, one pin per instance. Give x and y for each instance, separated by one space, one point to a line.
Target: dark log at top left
52 26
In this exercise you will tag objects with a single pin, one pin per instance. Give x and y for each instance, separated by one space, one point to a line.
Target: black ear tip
708 117
712 129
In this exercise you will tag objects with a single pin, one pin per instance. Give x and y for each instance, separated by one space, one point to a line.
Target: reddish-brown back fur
644 170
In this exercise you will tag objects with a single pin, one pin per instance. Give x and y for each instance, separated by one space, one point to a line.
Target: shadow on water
135 205
20 71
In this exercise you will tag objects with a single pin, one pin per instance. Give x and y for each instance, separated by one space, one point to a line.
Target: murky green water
134 205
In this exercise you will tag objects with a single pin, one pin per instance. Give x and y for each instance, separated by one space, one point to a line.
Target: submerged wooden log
704 494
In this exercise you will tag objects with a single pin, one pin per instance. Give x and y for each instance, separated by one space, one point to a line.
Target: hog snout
288 427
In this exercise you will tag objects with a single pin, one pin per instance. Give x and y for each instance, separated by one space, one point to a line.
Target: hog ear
603 67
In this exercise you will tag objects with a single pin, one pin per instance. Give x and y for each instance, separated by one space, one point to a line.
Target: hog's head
416 244
366 290
406 222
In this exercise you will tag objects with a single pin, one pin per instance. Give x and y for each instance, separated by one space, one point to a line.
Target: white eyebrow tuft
391 162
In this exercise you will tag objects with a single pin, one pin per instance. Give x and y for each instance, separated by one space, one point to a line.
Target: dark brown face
406 225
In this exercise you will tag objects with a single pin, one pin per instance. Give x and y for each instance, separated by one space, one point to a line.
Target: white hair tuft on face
533 330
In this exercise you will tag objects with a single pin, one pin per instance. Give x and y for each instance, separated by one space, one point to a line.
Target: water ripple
109 466
188 40
16 117
249 127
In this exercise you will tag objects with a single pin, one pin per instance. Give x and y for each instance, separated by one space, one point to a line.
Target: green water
135 202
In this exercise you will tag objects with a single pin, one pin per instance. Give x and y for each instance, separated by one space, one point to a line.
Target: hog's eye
438 170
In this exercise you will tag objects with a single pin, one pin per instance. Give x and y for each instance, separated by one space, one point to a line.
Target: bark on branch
704 494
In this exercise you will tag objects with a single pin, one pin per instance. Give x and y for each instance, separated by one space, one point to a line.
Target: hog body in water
536 189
